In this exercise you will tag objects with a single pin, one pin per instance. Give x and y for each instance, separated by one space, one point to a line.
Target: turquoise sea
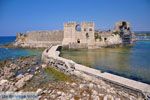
6 53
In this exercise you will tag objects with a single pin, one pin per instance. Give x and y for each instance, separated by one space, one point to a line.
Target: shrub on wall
97 36
116 33
87 35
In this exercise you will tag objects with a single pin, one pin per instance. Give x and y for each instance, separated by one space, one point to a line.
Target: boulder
20 83
37 68
72 90
108 97
94 92
81 86
33 63
28 77
44 66
19 76
39 92
12 88
91 85
2 82
74 84
59 93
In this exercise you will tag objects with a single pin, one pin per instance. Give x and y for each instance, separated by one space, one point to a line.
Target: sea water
12 54
131 62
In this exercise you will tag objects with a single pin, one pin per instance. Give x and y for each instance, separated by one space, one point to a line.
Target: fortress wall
39 39
76 36
45 36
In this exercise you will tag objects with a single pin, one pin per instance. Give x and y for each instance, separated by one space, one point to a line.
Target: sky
35 15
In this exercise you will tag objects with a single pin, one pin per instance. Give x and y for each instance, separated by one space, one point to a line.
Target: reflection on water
131 62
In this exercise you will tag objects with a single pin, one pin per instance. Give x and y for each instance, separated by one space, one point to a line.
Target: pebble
72 99
117 99
44 66
53 96
95 97
91 85
74 84
45 91
94 92
81 86
72 90
59 93
108 97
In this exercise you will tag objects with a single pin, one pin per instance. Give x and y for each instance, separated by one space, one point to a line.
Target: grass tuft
58 75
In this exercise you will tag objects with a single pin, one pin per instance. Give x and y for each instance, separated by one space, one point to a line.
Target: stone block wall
83 35
39 39
45 36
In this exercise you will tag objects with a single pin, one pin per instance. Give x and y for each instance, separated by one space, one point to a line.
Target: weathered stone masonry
79 35
39 39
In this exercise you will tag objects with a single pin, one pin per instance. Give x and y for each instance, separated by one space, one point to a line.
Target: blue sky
26 15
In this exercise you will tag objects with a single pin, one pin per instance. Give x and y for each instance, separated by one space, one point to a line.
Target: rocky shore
28 74
17 45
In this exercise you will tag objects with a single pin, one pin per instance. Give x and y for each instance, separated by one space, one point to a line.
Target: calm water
14 53
131 62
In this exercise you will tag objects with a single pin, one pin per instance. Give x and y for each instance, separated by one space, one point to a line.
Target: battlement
70 24
91 24
87 23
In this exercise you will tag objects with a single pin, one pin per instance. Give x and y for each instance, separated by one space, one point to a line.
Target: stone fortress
77 36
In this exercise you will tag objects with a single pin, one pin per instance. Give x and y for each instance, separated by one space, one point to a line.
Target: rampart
37 39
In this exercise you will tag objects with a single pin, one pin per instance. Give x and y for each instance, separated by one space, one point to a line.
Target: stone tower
125 31
79 35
